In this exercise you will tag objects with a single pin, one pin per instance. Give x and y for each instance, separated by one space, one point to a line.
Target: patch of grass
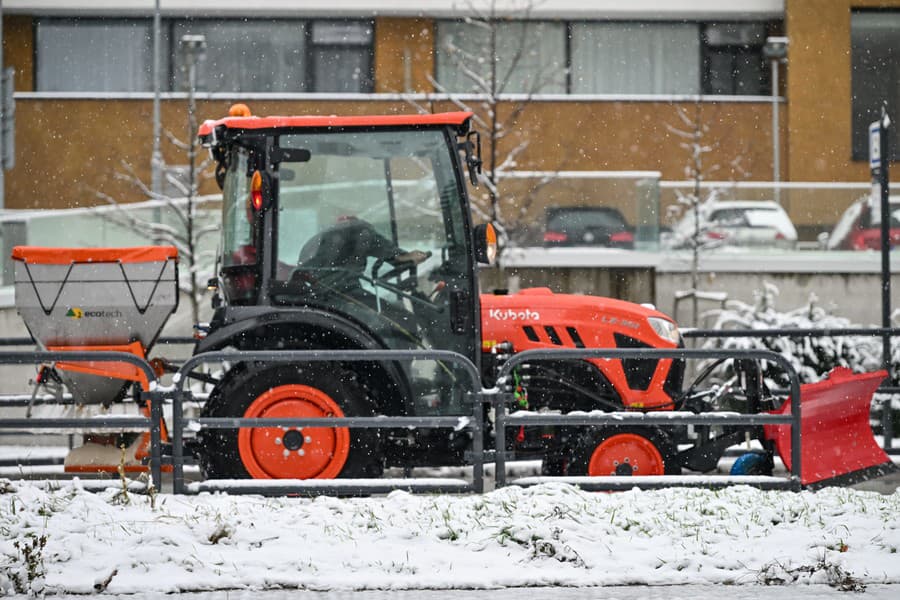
25 569
775 573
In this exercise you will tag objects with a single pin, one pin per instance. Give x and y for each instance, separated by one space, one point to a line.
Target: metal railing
882 332
659 419
473 421
153 423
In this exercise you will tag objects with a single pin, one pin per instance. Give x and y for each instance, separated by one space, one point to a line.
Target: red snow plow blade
837 443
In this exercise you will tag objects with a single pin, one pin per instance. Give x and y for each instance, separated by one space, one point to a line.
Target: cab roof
456 119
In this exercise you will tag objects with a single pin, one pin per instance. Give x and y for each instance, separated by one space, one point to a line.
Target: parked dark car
587 226
860 226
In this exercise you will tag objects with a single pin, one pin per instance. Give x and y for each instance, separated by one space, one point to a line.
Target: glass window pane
875 74
749 74
341 70
735 34
245 56
530 57
342 32
719 76
94 55
635 58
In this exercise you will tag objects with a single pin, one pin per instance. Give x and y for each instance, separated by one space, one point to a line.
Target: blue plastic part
751 463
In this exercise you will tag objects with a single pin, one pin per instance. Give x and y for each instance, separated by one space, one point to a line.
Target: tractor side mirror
472 150
485 244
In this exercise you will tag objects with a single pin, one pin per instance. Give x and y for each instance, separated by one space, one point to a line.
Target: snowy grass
67 540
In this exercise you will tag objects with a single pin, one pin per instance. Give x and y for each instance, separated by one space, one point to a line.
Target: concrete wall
849 282
856 296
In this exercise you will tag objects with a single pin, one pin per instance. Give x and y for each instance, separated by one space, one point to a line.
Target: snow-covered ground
62 539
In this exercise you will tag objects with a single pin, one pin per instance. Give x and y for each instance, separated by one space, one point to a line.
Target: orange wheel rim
294 452
626 454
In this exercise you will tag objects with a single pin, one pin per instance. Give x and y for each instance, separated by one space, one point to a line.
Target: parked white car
741 223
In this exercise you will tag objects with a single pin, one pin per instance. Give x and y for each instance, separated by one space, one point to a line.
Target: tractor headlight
665 329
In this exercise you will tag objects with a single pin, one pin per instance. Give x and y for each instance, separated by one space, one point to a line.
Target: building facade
579 86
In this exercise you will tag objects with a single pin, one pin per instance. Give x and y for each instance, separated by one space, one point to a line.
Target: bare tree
495 58
184 202
693 134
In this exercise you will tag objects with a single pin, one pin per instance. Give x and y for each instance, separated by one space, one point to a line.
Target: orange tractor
355 233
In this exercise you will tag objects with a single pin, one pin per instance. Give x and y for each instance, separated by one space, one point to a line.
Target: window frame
859 125
169 49
734 50
772 27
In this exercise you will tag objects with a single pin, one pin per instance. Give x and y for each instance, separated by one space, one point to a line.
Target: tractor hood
539 318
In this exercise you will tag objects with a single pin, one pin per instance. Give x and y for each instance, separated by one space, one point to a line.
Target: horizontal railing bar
314 487
62 423
28 341
792 332
516 418
312 422
615 483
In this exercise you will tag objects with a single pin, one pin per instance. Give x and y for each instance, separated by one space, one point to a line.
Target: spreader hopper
102 299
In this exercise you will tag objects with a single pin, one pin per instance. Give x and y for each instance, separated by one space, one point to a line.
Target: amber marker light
256 196
239 110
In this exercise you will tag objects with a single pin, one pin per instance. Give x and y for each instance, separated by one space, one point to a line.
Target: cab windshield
361 201
368 226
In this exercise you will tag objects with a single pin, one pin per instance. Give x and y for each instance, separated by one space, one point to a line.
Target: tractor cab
362 221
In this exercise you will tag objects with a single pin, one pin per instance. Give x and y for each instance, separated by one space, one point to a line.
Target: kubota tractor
355 233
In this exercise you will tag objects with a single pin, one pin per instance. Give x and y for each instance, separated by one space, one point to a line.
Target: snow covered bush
812 357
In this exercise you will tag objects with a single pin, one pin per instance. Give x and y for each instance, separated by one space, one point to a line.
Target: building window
874 75
530 57
94 55
604 57
341 56
635 58
733 61
116 55
243 56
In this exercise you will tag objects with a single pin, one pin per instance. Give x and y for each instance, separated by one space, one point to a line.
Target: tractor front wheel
284 391
623 451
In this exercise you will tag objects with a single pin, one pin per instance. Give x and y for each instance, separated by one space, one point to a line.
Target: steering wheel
399 267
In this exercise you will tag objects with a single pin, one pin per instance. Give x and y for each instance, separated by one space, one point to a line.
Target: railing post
499 403
887 424
178 440
477 441
155 439
796 429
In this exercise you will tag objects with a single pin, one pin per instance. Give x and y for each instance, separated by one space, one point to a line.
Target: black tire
554 464
646 440
219 452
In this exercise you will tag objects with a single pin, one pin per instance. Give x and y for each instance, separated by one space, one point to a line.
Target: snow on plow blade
96 299
838 446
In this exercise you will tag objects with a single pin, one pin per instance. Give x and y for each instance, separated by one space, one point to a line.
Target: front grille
638 371
554 337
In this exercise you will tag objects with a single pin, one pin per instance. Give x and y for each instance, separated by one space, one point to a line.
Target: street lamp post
156 163
194 49
775 50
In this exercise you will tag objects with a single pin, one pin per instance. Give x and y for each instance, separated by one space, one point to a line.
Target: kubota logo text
77 313
514 315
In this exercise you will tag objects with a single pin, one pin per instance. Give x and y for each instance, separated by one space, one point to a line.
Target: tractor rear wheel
297 390
623 451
